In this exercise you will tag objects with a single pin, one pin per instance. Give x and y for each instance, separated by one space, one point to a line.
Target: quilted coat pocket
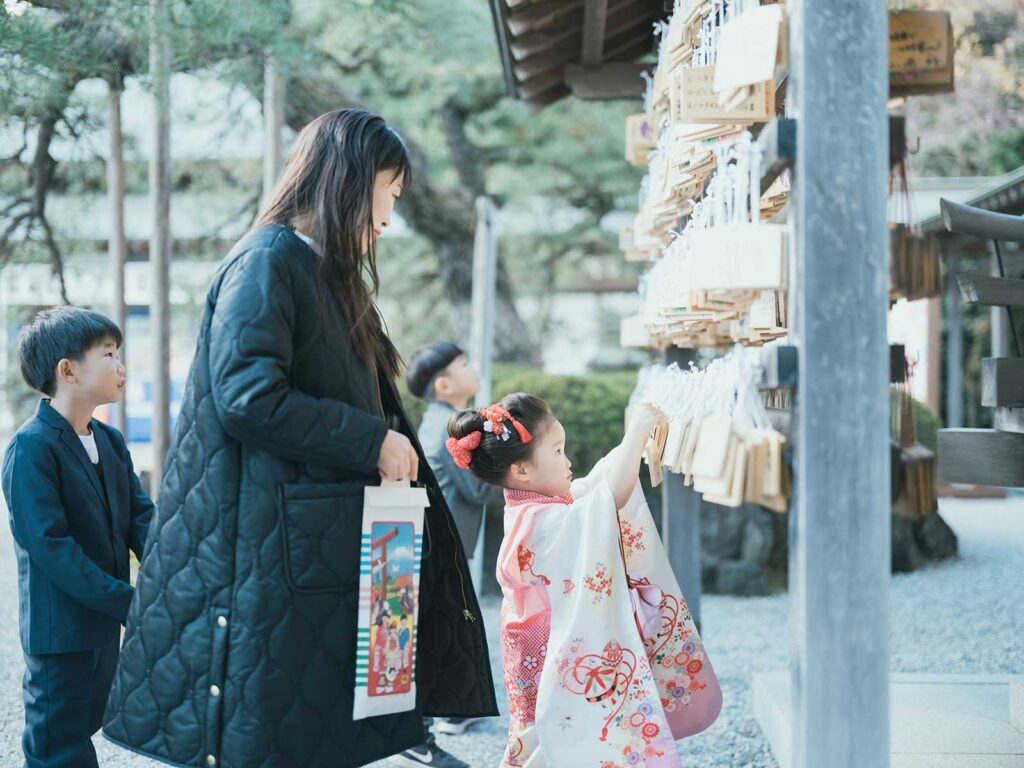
322 526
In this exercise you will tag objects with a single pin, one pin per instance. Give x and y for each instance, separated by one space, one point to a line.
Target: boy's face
98 377
458 381
548 471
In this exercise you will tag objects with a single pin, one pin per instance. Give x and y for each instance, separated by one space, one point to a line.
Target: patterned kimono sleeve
688 688
597 704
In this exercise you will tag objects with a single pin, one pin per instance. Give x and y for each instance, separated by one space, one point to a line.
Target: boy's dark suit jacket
70 535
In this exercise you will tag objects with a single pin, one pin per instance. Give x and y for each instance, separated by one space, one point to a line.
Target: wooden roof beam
542 15
595 18
608 81
537 43
624 46
529 89
622 15
536 103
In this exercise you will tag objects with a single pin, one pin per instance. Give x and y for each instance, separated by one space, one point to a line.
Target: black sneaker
453 726
427 753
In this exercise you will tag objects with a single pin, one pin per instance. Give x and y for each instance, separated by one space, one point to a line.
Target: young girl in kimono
603 664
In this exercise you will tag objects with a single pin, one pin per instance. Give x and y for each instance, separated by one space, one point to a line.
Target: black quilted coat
240 644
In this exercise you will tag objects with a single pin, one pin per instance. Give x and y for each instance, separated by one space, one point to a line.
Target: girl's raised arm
624 461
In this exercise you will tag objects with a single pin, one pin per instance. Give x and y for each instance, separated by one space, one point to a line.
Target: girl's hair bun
493 457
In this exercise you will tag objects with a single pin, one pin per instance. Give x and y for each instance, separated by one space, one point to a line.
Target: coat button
221 621
214 691
211 760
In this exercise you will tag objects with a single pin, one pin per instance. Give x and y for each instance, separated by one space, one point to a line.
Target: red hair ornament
462 448
495 416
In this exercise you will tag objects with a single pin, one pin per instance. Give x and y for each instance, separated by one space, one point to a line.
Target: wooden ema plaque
738 256
695 100
749 50
641 137
920 53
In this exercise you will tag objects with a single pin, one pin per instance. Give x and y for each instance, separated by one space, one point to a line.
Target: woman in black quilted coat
241 641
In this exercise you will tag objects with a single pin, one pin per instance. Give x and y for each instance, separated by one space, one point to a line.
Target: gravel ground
965 615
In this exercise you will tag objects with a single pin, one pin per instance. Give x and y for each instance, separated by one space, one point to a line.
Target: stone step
1017 703
937 721
981 457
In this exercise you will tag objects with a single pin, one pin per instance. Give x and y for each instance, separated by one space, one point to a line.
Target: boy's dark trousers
65 696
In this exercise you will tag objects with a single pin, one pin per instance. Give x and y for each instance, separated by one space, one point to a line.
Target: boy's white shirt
89 443
593 630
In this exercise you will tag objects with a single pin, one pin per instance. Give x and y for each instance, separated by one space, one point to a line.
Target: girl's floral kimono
603 664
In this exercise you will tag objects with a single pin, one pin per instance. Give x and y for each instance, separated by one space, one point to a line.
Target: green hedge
590 407
928 425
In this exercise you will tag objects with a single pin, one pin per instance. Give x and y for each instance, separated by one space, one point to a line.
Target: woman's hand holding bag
398 459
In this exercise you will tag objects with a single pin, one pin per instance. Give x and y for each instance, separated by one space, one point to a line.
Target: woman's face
387 187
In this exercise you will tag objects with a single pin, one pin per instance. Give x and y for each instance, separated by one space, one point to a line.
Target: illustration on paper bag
392 603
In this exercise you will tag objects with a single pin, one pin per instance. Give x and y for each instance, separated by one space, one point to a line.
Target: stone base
937 721
1017 703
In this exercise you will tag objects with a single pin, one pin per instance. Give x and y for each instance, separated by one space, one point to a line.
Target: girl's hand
398 459
644 418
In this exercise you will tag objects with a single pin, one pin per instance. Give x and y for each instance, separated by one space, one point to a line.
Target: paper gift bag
389 583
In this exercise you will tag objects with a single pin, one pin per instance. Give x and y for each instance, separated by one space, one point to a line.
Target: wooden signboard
694 100
920 53
737 256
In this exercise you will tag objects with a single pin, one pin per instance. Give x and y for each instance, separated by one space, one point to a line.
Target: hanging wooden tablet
695 100
756 460
689 448
641 137
920 53
632 332
689 427
656 444
738 256
716 484
712 446
748 49
772 485
733 497
673 443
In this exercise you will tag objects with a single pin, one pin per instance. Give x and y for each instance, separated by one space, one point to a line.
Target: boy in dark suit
75 507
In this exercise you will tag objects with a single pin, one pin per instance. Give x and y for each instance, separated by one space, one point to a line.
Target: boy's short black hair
58 333
426 363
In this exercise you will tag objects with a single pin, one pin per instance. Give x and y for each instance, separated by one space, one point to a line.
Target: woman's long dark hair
328 180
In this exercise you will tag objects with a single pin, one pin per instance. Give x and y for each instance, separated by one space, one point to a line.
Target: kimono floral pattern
621 684
678 659
633 537
526 560
599 582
